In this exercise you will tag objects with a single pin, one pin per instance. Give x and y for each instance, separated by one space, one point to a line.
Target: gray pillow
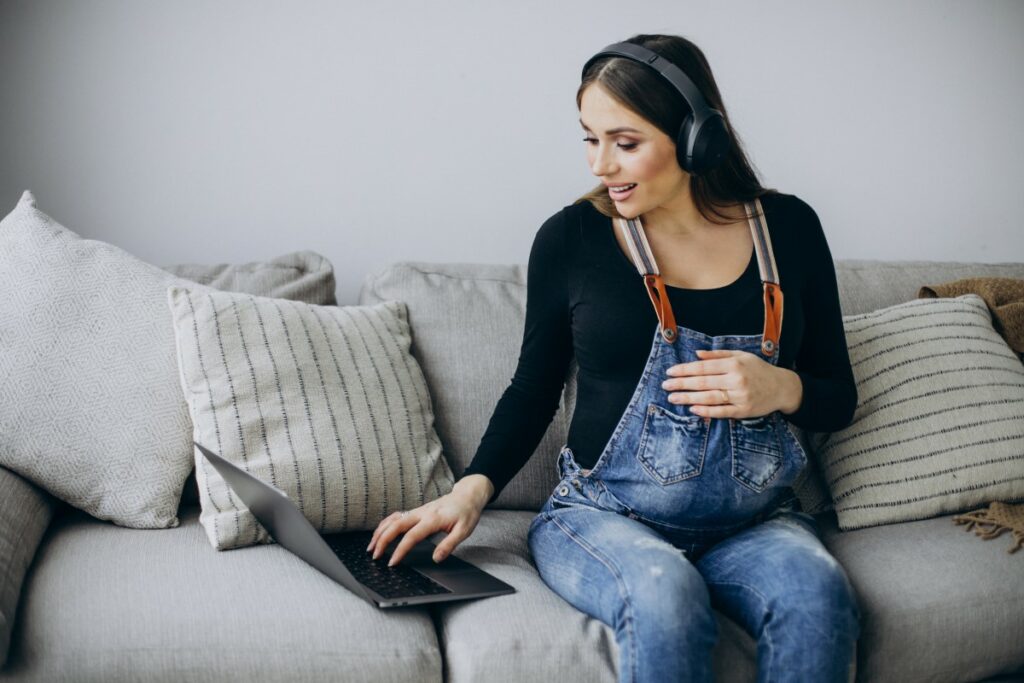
91 411
325 403
939 423
300 276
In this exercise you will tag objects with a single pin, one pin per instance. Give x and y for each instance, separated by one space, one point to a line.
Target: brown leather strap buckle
772 319
662 307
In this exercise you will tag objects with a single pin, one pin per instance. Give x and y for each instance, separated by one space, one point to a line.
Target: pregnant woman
667 284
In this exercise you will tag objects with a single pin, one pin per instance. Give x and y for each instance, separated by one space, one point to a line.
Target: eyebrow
613 131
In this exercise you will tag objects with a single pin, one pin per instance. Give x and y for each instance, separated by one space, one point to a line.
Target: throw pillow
325 403
91 409
301 275
939 425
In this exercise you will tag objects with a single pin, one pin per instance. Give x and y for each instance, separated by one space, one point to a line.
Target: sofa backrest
467 328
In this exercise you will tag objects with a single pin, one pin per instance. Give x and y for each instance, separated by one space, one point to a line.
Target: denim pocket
756 450
672 446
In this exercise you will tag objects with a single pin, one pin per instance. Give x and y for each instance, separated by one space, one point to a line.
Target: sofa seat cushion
533 634
105 603
937 602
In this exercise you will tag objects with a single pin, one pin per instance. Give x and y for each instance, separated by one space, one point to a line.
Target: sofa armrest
25 512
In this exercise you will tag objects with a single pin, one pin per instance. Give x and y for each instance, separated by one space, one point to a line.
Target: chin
628 213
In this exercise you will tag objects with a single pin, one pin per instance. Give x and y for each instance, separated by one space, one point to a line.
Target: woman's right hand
457 513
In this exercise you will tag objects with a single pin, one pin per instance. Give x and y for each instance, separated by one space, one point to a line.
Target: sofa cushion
937 602
324 403
25 511
92 410
939 425
110 604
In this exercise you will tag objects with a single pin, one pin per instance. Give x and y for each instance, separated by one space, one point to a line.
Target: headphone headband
703 139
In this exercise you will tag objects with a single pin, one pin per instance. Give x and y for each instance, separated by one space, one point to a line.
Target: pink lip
623 196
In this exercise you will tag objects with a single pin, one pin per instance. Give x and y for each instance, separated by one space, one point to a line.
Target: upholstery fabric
111 604
324 403
939 425
937 604
25 512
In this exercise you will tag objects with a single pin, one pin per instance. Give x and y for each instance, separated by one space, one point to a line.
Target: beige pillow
939 425
325 403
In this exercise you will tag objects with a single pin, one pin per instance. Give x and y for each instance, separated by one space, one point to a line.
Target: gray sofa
103 603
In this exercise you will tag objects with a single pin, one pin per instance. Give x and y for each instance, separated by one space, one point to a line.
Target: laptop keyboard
399 581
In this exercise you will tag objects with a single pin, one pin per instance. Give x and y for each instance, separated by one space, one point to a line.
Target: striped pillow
326 403
939 426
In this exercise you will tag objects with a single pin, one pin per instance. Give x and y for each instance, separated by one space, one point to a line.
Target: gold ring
726 394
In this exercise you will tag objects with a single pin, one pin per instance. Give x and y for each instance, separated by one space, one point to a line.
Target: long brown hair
638 88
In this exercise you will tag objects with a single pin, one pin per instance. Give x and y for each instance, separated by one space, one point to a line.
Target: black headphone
703 139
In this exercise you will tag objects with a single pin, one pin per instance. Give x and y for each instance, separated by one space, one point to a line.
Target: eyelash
626 147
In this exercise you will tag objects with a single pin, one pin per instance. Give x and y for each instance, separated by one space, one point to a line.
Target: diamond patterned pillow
91 409
325 403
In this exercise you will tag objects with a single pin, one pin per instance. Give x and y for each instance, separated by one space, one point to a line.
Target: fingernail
391 562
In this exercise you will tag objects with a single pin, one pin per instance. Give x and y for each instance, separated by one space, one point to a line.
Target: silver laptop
416 580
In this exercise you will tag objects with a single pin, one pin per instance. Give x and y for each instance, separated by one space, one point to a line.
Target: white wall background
232 131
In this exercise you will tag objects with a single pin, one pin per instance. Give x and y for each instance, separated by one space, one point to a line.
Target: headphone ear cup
704 145
683 151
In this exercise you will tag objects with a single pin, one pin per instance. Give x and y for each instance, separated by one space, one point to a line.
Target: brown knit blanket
994 520
1003 295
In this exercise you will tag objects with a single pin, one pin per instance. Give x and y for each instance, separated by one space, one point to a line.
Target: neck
678 217
683 219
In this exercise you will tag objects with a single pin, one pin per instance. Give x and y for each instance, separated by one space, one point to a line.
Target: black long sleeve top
585 297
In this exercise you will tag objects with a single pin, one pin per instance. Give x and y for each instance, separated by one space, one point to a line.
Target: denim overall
682 513
691 477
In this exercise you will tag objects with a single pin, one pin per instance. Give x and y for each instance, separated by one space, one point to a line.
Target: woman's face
644 156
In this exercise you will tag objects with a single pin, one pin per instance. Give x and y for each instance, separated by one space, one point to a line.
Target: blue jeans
656 589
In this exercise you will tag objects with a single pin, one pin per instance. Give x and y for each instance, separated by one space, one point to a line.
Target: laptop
416 580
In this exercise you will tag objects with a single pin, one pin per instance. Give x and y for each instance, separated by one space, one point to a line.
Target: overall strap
647 266
769 278
643 258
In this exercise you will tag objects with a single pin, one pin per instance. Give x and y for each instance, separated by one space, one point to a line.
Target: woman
675 494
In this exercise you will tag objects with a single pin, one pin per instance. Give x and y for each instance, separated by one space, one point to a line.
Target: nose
601 164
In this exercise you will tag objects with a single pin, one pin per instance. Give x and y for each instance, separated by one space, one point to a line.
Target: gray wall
447 131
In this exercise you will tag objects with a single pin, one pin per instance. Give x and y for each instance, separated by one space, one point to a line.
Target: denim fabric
682 514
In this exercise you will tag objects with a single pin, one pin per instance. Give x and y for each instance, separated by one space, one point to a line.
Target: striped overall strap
640 251
643 258
769 278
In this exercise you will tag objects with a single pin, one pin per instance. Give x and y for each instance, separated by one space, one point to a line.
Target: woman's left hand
753 385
